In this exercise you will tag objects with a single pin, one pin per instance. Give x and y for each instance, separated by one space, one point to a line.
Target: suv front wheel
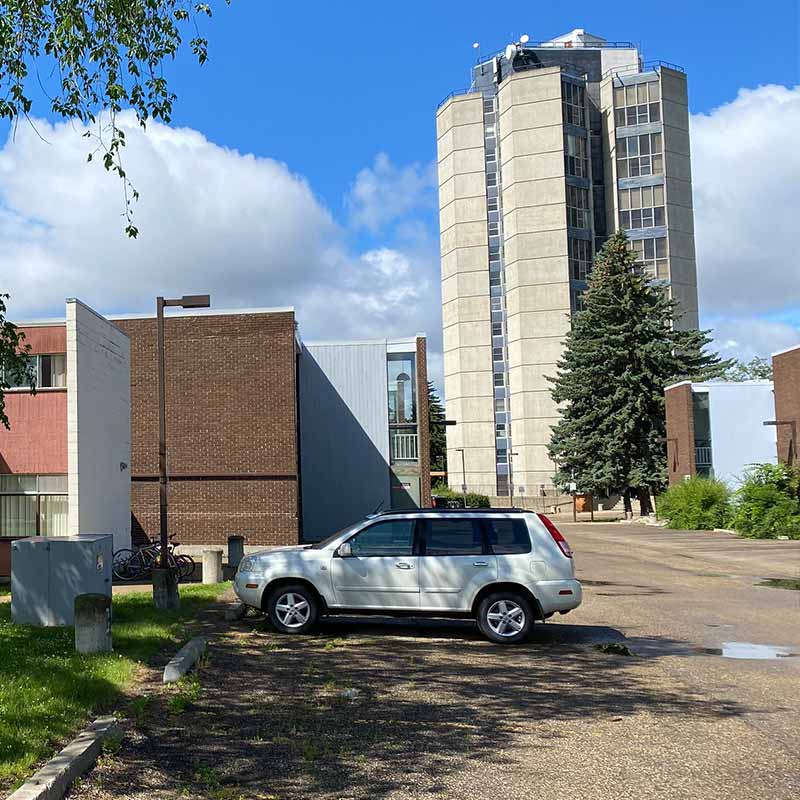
505 617
293 609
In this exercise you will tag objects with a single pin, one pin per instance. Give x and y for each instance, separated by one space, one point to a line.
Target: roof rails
396 511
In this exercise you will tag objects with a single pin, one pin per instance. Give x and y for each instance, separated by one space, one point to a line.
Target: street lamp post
165 580
463 475
511 477
792 425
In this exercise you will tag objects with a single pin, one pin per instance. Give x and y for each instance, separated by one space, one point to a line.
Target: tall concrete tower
554 146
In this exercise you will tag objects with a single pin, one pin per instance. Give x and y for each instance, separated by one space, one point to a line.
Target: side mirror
345 550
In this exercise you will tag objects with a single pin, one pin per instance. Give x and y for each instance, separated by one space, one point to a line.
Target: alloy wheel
506 618
292 610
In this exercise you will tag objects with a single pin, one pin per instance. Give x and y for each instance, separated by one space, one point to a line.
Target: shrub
768 502
697 503
474 500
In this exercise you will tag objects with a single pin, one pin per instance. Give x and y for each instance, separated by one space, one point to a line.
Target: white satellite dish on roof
476 45
524 38
511 51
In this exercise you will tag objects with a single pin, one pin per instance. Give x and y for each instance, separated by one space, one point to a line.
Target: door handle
404 565
480 563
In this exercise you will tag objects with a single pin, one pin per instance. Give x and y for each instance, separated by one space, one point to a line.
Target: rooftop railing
571 69
565 46
642 66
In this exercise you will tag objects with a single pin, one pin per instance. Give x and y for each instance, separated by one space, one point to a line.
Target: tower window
573 103
637 104
577 207
639 155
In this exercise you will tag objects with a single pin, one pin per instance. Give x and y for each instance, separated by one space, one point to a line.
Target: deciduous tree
15 364
91 59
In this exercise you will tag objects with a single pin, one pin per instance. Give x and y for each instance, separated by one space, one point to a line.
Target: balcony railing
404 447
702 456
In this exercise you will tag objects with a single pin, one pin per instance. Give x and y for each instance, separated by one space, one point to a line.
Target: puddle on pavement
749 651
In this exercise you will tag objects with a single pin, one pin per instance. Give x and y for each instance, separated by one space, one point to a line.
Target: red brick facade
37 440
786 382
231 427
680 432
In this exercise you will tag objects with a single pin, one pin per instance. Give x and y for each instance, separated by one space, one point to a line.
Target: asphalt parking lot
419 709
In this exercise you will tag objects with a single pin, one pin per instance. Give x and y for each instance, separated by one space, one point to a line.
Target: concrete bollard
93 623
235 551
212 566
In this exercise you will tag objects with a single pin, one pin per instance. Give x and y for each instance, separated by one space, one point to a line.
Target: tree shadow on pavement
363 711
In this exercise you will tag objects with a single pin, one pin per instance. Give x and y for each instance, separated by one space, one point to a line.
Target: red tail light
563 544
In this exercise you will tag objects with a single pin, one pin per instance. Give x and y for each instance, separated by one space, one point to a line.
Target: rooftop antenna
511 51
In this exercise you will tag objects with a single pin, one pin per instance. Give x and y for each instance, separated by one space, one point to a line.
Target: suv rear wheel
293 609
505 617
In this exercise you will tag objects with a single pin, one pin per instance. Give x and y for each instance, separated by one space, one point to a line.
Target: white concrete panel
98 425
469 359
465 234
738 436
530 87
465 310
546 191
526 142
467 334
465 259
535 219
465 284
537 271
536 166
536 245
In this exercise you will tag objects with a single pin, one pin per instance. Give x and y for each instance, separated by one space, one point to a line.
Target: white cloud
384 192
245 229
746 337
746 174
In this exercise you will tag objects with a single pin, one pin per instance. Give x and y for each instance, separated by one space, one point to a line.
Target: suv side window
452 537
393 537
508 536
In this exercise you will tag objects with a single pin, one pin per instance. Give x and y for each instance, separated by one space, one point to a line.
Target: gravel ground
405 709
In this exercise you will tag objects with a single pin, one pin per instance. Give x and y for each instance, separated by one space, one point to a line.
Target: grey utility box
48 573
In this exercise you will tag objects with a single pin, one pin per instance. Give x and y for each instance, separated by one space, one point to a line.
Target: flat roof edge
674 385
785 350
204 312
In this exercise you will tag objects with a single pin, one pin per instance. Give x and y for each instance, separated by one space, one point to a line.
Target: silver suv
503 567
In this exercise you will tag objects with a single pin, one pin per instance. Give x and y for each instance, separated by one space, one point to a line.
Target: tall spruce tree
621 351
438 438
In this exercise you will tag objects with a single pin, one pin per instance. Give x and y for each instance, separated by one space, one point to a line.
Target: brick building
717 429
786 376
65 461
262 430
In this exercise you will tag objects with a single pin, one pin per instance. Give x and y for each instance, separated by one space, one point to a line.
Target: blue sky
298 169
362 78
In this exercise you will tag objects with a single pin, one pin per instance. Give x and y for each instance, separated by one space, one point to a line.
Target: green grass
47 691
5 589
782 583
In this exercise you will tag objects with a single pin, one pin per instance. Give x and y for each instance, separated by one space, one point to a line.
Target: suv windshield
325 542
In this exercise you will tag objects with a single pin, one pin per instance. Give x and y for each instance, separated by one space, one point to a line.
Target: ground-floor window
33 505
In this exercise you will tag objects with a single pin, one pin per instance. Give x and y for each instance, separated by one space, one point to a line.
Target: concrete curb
55 777
184 659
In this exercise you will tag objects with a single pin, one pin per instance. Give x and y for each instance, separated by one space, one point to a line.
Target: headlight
247 565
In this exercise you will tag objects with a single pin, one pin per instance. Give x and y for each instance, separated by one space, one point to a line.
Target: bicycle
129 565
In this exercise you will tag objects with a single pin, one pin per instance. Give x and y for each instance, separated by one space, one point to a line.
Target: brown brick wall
231 427
680 432
423 422
786 382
